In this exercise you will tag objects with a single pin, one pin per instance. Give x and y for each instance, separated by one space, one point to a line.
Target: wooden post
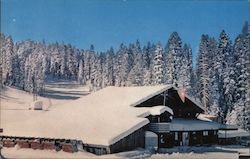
164 99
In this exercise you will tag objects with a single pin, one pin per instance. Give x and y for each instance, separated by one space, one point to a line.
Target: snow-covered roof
179 124
206 117
158 110
233 133
103 117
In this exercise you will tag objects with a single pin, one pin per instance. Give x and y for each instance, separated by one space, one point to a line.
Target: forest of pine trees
220 79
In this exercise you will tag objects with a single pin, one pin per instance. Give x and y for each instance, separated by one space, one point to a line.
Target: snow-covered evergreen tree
202 71
185 68
148 61
223 69
123 65
173 53
96 73
7 61
135 76
214 93
54 58
108 71
242 79
81 73
158 65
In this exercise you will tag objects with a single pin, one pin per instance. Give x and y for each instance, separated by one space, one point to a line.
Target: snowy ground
15 103
213 152
56 93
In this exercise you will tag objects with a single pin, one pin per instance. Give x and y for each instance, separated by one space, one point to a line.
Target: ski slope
56 93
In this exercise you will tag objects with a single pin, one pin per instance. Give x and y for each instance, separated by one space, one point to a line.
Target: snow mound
36 105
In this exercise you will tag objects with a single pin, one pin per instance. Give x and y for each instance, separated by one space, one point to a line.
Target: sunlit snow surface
212 152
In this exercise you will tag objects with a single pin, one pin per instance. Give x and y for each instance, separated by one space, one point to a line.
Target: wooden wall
168 139
132 141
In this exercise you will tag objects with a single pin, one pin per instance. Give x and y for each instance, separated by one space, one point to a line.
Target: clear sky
106 23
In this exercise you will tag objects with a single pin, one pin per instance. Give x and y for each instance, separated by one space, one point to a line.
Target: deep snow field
56 93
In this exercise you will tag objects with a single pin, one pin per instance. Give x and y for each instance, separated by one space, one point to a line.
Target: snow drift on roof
158 110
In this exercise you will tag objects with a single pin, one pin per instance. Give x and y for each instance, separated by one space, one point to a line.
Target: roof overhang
179 124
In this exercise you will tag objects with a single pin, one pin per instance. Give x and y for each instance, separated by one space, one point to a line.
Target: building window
205 133
194 132
154 119
176 136
162 139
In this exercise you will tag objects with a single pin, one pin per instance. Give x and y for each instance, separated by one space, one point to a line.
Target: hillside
55 94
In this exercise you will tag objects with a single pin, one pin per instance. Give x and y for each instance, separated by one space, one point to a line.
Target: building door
185 139
151 140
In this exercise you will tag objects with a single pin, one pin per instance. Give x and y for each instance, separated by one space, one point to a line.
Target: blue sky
106 23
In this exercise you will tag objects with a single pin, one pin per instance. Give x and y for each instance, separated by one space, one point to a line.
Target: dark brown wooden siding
132 141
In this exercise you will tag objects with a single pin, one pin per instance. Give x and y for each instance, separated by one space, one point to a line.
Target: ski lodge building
117 119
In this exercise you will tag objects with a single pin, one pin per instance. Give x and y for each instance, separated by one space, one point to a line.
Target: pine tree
185 68
71 62
148 62
81 73
214 92
202 71
223 69
158 65
108 70
7 60
135 76
242 80
55 60
173 53
23 50
96 73
123 65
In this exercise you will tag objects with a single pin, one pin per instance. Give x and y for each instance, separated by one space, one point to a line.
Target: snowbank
36 105
213 152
